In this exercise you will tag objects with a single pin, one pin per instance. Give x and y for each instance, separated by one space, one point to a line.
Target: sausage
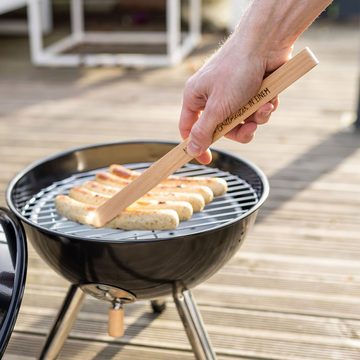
111 179
100 188
114 180
87 196
183 208
217 185
127 220
124 172
204 191
196 200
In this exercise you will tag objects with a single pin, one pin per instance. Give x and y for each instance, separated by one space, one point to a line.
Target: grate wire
240 199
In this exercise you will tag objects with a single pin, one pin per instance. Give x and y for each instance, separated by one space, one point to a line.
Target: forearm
270 26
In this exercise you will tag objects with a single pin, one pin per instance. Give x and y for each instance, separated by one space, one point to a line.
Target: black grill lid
13 263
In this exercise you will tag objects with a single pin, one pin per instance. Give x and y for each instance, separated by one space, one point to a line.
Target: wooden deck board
292 292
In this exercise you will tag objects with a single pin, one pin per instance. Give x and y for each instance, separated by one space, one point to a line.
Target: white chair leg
195 18
77 19
237 7
35 31
173 29
46 16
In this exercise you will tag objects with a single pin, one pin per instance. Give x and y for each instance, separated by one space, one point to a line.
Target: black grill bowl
145 267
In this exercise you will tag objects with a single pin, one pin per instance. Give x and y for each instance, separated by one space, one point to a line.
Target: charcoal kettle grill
124 266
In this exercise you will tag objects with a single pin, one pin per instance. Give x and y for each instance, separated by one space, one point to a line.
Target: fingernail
266 113
193 149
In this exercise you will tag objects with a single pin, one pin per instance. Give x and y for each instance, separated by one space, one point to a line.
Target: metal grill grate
239 199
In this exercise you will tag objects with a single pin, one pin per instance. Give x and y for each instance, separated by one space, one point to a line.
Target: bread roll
196 200
217 185
113 180
128 220
183 208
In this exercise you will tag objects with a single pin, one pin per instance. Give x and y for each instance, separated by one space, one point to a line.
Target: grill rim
52 157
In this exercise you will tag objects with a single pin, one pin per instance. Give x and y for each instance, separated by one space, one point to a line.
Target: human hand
220 88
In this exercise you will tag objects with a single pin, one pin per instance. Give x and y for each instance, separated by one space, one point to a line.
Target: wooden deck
293 290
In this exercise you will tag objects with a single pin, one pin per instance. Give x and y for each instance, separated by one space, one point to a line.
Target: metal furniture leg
63 323
35 35
173 29
193 324
357 121
47 18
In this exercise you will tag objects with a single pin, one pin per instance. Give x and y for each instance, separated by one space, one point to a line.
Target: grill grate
239 199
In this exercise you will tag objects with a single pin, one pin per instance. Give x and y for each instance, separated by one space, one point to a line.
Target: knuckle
188 91
191 85
191 80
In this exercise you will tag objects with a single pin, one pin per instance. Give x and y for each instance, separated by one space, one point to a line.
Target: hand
220 88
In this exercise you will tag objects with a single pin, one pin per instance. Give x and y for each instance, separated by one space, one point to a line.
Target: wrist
268 51
269 29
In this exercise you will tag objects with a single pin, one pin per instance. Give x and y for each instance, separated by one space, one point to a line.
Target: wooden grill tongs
274 84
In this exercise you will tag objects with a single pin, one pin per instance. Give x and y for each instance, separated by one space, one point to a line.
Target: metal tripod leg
63 323
193 324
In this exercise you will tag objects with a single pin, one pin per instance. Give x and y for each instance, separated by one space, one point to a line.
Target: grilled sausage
196 200
124 172
101 188
114 180
128 220
183 208
111 179
217 185
204 191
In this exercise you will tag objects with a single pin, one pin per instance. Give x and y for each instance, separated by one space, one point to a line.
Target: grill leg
158 305
193 324
63 323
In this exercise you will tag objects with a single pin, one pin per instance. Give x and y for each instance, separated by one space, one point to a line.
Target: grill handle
116 319
274 84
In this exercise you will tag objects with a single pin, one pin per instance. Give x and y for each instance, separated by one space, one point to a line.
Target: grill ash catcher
124 266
